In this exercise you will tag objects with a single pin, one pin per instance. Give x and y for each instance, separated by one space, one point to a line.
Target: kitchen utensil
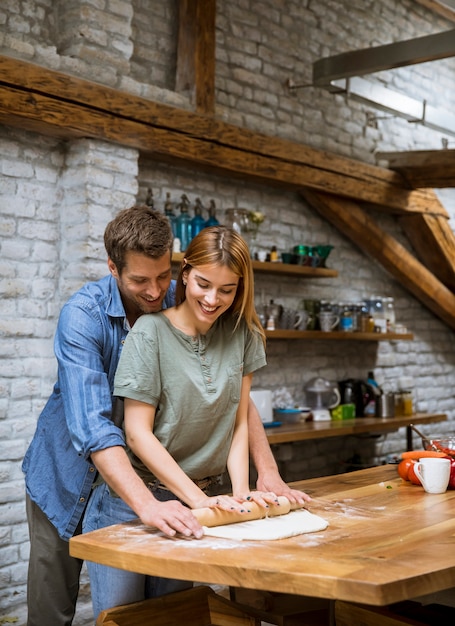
321 395
322 251
328 320
433 473
274 312
306 320
290 415
357 391
290 319
385 405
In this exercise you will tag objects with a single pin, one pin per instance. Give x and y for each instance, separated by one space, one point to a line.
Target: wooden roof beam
43 100
196 53
349 218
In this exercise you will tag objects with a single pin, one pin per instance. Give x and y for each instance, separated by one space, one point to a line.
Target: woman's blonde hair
218 245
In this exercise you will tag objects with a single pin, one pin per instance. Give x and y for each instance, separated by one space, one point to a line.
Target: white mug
433 473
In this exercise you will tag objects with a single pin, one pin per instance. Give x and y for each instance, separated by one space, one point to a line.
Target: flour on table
270 528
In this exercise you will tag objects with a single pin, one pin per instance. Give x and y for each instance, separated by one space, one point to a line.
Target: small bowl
322 251
287 257
291 416
447 442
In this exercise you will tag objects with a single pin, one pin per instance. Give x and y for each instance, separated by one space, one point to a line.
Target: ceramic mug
306 320
313 307
327 320
290 319
433 473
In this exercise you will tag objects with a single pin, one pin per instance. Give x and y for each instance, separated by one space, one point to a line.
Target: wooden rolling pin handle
218 517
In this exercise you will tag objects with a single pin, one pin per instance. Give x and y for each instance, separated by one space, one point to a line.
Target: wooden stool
199 606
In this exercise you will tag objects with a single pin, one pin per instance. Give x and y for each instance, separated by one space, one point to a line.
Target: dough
270 528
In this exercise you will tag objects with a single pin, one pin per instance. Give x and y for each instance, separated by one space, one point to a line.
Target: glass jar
406 402
238 220
378 313
346 323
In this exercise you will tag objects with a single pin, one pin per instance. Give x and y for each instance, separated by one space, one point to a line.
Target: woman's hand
262 498
225 503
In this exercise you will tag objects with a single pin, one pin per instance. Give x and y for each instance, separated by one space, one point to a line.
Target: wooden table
387 541
301 431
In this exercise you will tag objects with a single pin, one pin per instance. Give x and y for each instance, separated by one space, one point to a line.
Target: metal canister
385 405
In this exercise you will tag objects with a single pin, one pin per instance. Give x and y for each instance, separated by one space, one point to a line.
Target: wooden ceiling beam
196 53
60 103
423 168
49 102
433 240
351 220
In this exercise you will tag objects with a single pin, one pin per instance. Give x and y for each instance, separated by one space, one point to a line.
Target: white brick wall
56 198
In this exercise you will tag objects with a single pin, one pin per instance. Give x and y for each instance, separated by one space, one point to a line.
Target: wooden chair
199 606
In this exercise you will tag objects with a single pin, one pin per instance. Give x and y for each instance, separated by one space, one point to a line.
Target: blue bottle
184 223
198 222
212 221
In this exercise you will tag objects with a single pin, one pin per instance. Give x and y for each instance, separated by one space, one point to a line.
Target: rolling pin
218 517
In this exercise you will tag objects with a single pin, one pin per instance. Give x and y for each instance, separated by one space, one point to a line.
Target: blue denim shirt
76 420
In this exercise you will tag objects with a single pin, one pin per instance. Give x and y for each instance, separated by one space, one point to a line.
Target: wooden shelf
308 272
286 269
303 431
337 335
283 269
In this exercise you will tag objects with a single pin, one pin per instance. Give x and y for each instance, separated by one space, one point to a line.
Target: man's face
143 283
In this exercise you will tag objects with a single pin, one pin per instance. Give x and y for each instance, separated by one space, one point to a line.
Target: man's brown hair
137 229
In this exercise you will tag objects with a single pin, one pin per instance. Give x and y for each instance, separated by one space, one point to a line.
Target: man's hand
272 481
171 517
269 478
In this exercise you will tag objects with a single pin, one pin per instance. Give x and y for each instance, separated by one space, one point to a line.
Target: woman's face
210 291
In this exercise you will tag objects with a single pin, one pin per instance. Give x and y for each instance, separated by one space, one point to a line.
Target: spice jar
346 322
406 402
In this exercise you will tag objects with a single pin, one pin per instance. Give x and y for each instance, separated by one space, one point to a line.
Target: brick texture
58 196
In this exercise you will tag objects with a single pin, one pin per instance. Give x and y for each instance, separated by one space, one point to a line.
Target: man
77 438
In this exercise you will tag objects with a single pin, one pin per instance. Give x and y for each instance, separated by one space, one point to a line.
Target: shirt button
81 499
209 380
92 469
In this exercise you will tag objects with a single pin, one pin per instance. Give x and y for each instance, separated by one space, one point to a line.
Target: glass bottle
149 199
364 325
198 222
237 219
212 220
389 307
183 223
169 213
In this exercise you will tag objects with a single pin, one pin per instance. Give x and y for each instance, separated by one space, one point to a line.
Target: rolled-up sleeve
80 348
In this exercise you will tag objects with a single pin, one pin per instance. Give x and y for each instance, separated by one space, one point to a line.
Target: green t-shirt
194 383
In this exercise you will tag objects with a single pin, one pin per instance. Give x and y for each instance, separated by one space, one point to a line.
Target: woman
185 375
